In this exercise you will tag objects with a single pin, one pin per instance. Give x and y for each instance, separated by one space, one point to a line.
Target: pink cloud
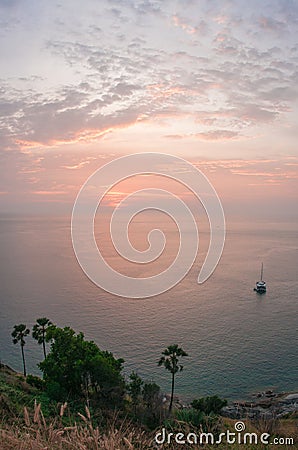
217 135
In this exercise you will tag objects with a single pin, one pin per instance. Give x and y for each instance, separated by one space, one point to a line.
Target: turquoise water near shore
238 342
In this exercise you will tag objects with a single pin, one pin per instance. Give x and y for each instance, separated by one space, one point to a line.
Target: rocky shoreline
266 405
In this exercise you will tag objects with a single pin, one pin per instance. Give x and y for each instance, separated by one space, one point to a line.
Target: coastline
267 404
22 420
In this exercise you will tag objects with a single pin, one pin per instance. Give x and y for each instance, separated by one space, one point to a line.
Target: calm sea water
238 342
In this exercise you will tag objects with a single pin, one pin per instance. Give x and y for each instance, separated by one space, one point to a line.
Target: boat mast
262 272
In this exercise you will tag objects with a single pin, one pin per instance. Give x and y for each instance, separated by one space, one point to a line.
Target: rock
291 397
269 406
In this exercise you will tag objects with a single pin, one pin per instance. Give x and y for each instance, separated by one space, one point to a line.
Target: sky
212 81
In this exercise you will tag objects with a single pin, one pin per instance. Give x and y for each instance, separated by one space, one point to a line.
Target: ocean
238 342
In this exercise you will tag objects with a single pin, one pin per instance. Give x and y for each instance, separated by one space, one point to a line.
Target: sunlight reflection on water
238 342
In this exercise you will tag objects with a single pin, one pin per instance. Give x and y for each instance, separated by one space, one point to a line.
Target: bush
35 381
209 405
55 391
151 394
190 416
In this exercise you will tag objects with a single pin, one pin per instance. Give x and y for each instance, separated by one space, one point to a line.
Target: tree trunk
24 364
44 344
172 393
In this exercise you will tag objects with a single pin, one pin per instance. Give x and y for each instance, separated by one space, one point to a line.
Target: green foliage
135 387
55 391
209 405
15 393
14 396
35 381
170 360
19 333
190 416
77 371
39 331
75 368
151 392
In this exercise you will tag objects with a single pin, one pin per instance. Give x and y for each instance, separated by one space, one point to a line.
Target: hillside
15 394
29 420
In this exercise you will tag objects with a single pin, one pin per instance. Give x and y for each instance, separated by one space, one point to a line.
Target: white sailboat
261 285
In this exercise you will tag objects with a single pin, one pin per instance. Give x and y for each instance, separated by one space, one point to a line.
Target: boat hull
260 287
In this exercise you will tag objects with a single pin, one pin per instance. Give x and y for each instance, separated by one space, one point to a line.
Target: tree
154 410
19 333
170 360
75 368
150 394
135 389
39 332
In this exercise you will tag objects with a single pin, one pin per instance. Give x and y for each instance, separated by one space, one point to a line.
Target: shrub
190 415
209 405
35 381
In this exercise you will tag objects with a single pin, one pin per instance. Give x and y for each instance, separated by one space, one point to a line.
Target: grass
29 421
15 393
38 433
35 432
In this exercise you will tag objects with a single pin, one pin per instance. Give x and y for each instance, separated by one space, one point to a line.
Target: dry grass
34 432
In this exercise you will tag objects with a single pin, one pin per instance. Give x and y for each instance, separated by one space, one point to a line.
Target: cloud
281 94
8 3
257 173
217 135
271 24
46 193
199 28
174 136
78 165
217 74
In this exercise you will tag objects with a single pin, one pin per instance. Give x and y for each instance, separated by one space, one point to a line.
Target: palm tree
39 332
170 360
19 333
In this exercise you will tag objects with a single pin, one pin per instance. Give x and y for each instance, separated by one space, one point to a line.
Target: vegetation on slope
84 401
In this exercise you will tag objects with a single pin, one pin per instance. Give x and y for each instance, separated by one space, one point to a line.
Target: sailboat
261 285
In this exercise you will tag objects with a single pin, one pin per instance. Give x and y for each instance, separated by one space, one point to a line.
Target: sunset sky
212 81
